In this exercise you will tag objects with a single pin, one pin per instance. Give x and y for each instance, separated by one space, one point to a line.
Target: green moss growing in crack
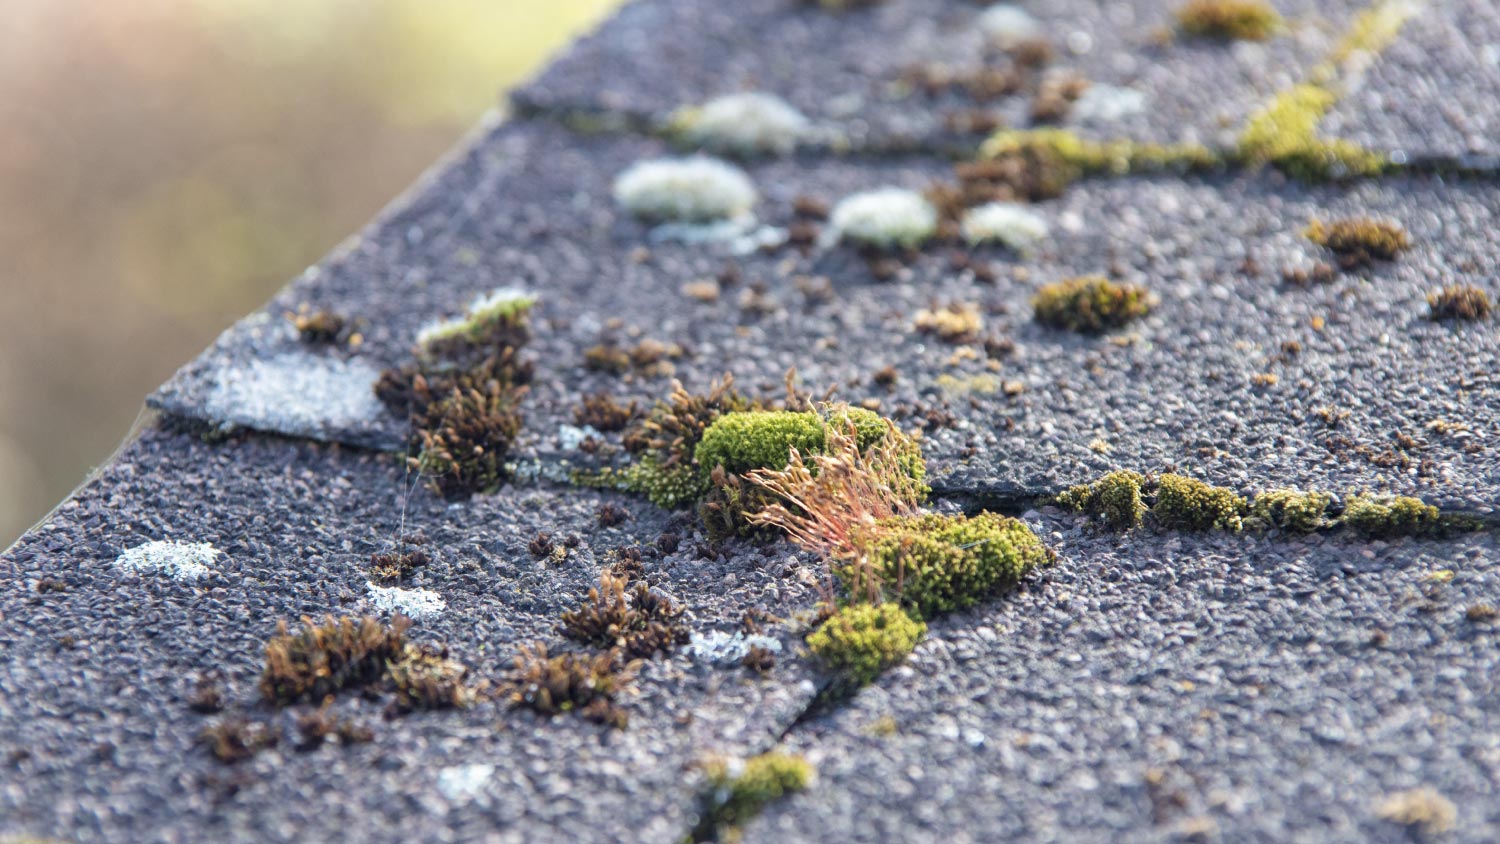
758 439
1291 510
1390 517
1089 305
1285 134
1229 20
1359 241
862 640
1184 503
739 791
935 564
1114 499
1041 163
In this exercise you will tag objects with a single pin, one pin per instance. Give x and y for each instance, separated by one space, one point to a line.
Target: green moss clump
1114 499
1360 241
862 640
1292 510
934 564
1386 518
738 792
1089 305
758 439
1285 134
1037 164
1184 503
667 485
1229 20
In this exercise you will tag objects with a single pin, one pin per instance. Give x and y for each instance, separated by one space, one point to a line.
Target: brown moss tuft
390 568
463 439
1459 301
640 622
1359 241
322 659
1089 305
588 685
958 322
318 328
424 677
235 739
603 413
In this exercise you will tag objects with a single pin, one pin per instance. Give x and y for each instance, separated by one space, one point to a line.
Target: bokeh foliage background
165 165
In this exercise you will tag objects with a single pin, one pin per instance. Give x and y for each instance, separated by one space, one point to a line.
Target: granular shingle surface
1148 686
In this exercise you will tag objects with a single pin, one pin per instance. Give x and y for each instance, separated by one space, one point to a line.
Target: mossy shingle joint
1184 503
1114 499
1090 305
860 641
739 790
1387 517
932 564
1292 510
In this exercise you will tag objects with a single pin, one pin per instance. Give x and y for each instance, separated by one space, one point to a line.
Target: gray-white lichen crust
177 560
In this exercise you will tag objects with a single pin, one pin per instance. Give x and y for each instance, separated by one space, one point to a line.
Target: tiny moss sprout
1007 223
860 641
886 218
747 123
688 190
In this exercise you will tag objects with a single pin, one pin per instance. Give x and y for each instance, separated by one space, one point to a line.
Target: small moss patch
1114 499
1184 503
1459 302
584 683
1389 517
1292 510
1229 20
1090 305
639 622
750 440
1285 133
322 659
862 640
1360 241
934 564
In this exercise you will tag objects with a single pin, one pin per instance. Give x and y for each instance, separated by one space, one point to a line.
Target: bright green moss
1089 305
1184 503
862 640
668 487
1114 499
1292 510
934 564
870 428
1285 134
1229 20
1057 157
738 792
1385 518
758 439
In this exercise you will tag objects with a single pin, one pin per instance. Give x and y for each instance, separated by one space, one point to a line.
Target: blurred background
165 165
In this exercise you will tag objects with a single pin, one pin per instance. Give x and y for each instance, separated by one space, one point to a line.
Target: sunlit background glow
165 165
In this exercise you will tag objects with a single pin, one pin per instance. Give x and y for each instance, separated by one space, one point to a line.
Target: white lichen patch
571 437
463 782
692 190
886 217
412 603
177 560
1003 222
1108 103
719 648
498 304
297 394
1006 25
743 124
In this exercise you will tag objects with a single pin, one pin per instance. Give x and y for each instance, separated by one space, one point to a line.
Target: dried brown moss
638 622
1090 305
586 684
1360 241
1229 20
235 739
321 659
603 413
1459 302
462 439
